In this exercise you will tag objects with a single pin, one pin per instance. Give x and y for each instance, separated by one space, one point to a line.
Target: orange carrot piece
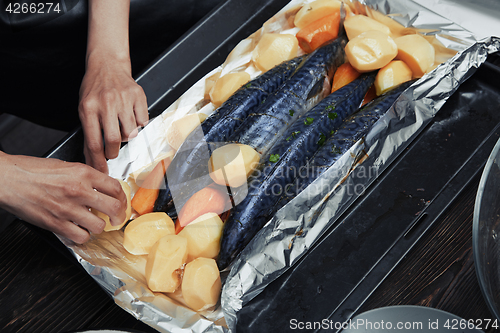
211 199
178 227
319 32
344 75
145 197
370 94
224 216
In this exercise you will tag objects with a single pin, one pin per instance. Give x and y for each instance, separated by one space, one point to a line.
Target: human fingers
110 199
93 142
73 232
141 107
111 127
128 123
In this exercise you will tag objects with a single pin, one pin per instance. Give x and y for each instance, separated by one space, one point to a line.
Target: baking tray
365 243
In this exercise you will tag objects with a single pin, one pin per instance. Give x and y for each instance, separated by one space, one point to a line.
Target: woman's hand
112 104
56 195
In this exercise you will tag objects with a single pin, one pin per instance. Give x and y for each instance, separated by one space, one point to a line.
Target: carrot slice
211 199
370 94
344 75
145 197
178 227
319 32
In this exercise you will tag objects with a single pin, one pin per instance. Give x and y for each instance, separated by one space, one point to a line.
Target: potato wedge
231 164
391 75
416 52
163 266
182 127
143 232
273 49
357 24
227 85
203 236
142 173
370 50
201 284
316 10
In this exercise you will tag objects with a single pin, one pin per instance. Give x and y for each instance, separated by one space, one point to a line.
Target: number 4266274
33 8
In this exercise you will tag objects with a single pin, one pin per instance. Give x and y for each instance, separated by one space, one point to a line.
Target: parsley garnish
322 139
293 135
291 112
332 115
274 158
308 121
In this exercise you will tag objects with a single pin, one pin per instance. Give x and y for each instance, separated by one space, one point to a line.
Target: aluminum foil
299 224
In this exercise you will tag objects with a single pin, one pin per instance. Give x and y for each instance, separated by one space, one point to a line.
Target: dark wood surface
42 290
439 271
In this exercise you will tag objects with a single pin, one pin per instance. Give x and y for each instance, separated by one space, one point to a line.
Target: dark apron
42 55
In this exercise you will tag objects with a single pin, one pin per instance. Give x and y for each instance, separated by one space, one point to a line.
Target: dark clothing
42 55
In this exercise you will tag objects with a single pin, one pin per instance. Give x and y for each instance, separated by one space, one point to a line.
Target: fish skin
219 125
262 128
250 215
353 129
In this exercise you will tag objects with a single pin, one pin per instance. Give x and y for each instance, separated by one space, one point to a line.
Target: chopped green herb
291 112
332 132
274 158
293 135
308 121
332 115
248 85
330 108
322 139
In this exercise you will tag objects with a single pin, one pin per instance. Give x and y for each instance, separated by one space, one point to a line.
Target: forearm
112 105
108 31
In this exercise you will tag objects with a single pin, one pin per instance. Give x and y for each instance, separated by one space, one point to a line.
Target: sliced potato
397 29
370 50
357 24
142 173
128 211
141 233
273 49
231 164
163 266
391 75
227 85
316 10
416 52
203 236
201 284
182 127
